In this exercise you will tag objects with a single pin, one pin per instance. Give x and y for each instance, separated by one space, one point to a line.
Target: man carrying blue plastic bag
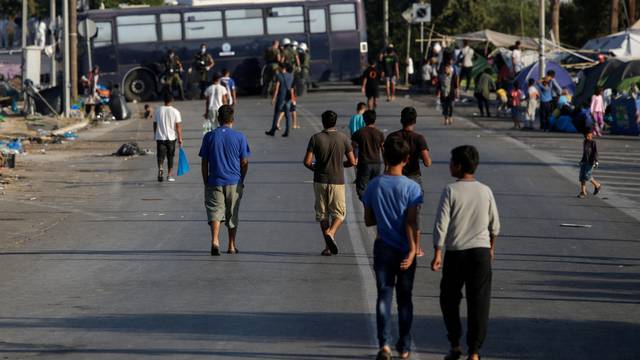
225 162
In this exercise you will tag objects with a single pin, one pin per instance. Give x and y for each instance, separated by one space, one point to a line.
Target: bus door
104 49
319 43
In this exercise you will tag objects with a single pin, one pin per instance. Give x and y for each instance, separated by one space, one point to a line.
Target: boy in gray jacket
466 226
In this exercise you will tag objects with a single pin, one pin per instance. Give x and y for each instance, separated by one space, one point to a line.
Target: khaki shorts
330 201
223 203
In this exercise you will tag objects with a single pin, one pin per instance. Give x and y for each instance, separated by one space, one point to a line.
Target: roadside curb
73 127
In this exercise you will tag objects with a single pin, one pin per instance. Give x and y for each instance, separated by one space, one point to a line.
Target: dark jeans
472 269
282 106
545 114
166 149
483 103
365 173
447 105
465 73
386 264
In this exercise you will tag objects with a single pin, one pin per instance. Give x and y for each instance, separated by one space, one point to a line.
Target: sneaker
171 179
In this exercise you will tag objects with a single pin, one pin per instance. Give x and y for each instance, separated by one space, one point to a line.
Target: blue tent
532 72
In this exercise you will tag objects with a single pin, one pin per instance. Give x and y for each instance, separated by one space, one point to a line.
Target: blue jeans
282 106
386 264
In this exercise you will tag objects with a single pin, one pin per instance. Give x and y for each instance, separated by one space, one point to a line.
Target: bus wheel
139 86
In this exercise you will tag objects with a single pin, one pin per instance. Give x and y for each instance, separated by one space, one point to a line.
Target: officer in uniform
202 63
305 64
173 68
290 55
272 57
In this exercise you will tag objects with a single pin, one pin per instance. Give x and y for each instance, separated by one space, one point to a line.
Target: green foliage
575 29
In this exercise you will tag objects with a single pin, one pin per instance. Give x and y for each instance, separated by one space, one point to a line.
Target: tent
497 39
621 44
532 72
628 70
594 77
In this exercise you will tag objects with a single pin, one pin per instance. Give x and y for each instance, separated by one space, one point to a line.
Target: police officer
173 67
305 64
290 56
272 57
202 63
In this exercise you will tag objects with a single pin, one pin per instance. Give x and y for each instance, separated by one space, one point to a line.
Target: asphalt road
127 274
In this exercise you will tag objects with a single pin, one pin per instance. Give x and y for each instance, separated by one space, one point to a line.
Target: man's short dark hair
551 73
517 42
361 106
167 97
329 119
216 77
408 116
226 72
225 114
396 149
467 157
369 117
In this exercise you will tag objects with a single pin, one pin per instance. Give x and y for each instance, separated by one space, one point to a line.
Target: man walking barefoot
225 163
328 147
167 127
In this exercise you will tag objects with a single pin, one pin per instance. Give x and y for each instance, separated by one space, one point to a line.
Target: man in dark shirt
368 142
371 85
390 71
419 152
328 147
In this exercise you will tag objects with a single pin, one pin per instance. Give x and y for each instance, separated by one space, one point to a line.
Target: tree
615 13
555 19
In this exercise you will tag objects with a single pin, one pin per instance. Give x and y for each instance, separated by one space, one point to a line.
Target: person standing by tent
597 111
516 57
533 99
546 103
448 90
467 64
556 89
484 87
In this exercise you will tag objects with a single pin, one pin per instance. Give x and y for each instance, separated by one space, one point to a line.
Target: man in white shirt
516 57
467 63
167 126
216 96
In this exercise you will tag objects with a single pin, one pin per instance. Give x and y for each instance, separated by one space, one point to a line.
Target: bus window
244 22
317 21
285 20
171 27
104 36
343 17
203 24
136 29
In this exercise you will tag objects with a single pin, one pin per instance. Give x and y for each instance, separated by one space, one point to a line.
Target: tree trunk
555 20
632 12
615 9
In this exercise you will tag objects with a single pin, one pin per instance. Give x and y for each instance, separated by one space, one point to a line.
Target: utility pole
25 17
542 37
73 43
67 85
386 22
406 74
53 21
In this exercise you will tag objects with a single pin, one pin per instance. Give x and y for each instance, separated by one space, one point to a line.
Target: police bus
131 43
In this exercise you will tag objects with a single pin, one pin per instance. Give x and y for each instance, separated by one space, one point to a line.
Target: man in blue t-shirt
224 154
391 203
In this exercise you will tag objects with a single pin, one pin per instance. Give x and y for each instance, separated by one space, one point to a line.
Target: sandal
383 355
597 190
234 251
326 252
160 177
582 195
331 244
405 355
